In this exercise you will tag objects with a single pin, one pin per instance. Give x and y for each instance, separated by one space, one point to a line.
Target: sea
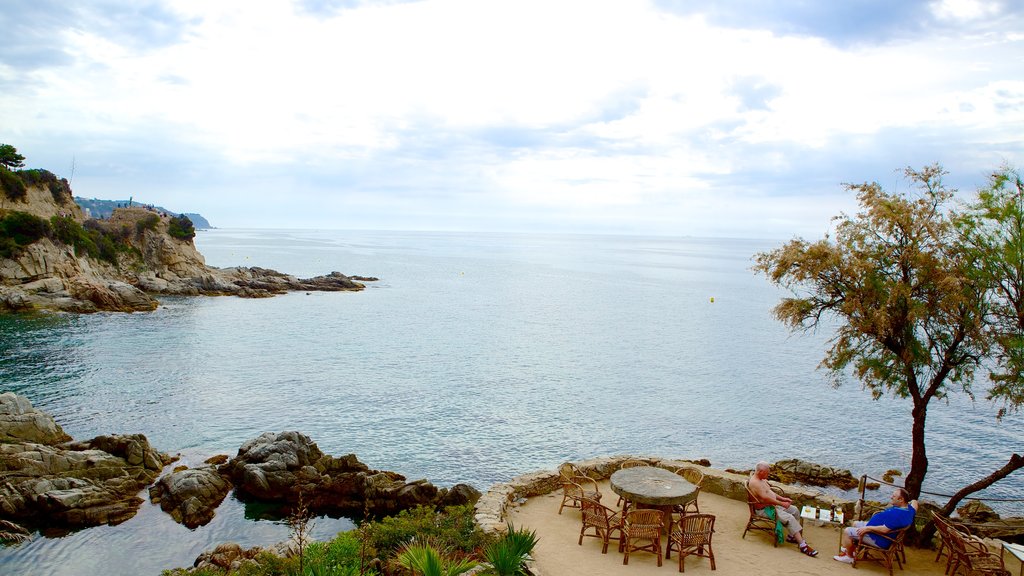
474 358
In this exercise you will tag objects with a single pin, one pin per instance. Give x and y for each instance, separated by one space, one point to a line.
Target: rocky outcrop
289 467
191 495
20 422
45 480
49 275
795 471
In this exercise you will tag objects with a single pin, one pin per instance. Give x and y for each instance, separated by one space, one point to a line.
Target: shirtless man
785 511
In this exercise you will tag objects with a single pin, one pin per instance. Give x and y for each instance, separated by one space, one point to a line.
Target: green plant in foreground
508 554
426 560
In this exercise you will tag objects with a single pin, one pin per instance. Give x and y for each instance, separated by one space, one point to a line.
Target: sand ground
558 554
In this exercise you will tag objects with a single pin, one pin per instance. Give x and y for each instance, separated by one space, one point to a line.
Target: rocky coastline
50 275
50 481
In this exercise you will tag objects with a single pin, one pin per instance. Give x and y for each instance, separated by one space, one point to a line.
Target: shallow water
475 358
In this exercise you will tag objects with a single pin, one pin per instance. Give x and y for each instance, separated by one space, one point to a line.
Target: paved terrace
532 501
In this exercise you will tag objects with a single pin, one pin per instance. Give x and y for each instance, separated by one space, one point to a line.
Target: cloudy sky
677 117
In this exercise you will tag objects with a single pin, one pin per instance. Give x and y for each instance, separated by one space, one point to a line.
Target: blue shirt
894 518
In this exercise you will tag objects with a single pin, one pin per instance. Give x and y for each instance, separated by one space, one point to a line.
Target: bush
11 185
147 223
23 228
91 239
452 529
60 190
181 227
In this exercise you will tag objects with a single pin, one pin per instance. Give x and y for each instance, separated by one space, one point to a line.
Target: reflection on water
474 359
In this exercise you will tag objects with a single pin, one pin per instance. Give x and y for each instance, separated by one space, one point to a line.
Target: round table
655 487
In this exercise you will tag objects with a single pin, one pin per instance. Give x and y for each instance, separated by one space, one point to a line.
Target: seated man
785 512
896 517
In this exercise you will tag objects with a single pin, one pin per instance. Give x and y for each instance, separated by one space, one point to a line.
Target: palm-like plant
426 560
508 555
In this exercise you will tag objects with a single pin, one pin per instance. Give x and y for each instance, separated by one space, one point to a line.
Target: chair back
633 464
691 475
597 514
568 470
643 523
696 529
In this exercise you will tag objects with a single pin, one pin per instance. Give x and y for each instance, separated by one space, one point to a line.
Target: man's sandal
809 551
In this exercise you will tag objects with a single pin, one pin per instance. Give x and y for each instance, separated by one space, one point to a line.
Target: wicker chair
973 555
641 524
866 551
567 470
759 523
944 526
602 519
691 536
695 477
576 489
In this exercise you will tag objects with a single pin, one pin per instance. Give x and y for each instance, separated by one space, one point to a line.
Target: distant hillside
104 208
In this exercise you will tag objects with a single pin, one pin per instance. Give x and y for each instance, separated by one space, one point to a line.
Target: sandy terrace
557 552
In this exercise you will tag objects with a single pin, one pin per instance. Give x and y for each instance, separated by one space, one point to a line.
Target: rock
51 275
459 495
192 495
288 467
228 556
976 512
19 421
73 484
794 471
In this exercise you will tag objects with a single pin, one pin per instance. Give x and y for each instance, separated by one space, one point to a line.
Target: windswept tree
10 158
914 311
993 228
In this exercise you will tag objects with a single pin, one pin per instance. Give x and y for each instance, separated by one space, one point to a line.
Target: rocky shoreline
50 275
48 480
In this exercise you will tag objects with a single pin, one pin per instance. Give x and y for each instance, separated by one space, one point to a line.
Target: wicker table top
650 485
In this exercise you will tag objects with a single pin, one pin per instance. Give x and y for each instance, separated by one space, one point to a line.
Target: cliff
100 209
119 263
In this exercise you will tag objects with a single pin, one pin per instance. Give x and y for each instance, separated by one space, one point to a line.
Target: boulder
795 471
70 484
459 495
19 421
977 512
288 467
191 495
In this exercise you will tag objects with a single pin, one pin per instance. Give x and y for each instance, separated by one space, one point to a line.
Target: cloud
455 114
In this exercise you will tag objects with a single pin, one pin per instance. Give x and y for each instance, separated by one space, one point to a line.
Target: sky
735 118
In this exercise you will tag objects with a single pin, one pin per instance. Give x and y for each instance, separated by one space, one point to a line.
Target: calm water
474 359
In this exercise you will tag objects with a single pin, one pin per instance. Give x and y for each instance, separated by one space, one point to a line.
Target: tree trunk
919 457
1016 462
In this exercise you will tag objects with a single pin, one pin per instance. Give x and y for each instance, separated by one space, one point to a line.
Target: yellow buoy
712 299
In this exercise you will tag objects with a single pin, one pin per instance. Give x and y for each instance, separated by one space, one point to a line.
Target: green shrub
452 529
181 227
90 239
147 223
338 557
11 185
36 176
8 247
23 228
60 190
508 555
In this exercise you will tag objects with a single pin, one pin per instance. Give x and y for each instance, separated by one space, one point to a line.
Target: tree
912 310
993 228
10 158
